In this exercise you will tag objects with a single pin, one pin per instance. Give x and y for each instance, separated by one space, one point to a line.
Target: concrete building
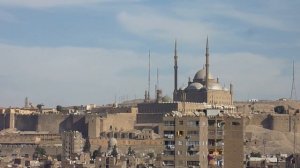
234 141
272 162
72 143
216 140
185 140
151 114
203 88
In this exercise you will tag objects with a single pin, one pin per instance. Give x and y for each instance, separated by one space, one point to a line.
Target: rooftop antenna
157 78
293 90
149 66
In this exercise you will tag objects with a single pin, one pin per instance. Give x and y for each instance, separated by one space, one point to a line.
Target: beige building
185 140
72 143
234 141
111 119
216 140
151 114
203 88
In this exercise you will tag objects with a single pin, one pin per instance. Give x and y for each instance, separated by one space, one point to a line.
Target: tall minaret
207 65
231 93
175 67
149 73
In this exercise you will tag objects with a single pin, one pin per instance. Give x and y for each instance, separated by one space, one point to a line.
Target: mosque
204 88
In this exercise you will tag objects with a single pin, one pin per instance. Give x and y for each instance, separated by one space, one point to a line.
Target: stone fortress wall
58 123
53 123
263 114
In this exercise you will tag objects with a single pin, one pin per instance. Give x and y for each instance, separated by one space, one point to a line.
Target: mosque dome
215 86
166 99
112 142
194 86
201 74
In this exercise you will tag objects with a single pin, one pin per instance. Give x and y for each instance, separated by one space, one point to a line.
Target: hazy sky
73 52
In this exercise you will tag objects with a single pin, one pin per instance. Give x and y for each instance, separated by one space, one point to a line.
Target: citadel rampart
53 123
58 123
276 122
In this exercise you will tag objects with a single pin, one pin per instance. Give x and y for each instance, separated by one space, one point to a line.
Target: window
193 163
179 152
169 123
236 123
168 163
191 133
194 143
211 122
179 142
180 133
193 123
180 122
169 143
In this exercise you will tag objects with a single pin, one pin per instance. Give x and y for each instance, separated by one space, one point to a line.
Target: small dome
194 86
201 74
166 99
112 142
215 86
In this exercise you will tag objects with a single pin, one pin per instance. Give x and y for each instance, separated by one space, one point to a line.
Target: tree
130 151
151 155
59 108
97 152
253 154
114 152
39 152
87 146
40 107
75 108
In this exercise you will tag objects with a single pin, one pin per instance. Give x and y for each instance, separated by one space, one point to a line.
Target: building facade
234 141
72 143
203 88
185 140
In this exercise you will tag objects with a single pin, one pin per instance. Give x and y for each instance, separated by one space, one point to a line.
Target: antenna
293 90
157 78
149 66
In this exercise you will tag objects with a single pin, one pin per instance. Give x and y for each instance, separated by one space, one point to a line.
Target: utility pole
293 90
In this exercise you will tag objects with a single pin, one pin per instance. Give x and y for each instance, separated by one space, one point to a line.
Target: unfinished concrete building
185 140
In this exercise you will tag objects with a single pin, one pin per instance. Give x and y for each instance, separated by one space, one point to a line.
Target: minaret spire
149 73
175 67
207 65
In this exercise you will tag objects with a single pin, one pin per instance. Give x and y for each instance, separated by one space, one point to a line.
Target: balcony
212 135
219 145
169 136
192 148
168 163
170 147
168 153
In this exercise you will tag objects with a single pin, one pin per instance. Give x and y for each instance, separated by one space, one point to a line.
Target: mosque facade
204 88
